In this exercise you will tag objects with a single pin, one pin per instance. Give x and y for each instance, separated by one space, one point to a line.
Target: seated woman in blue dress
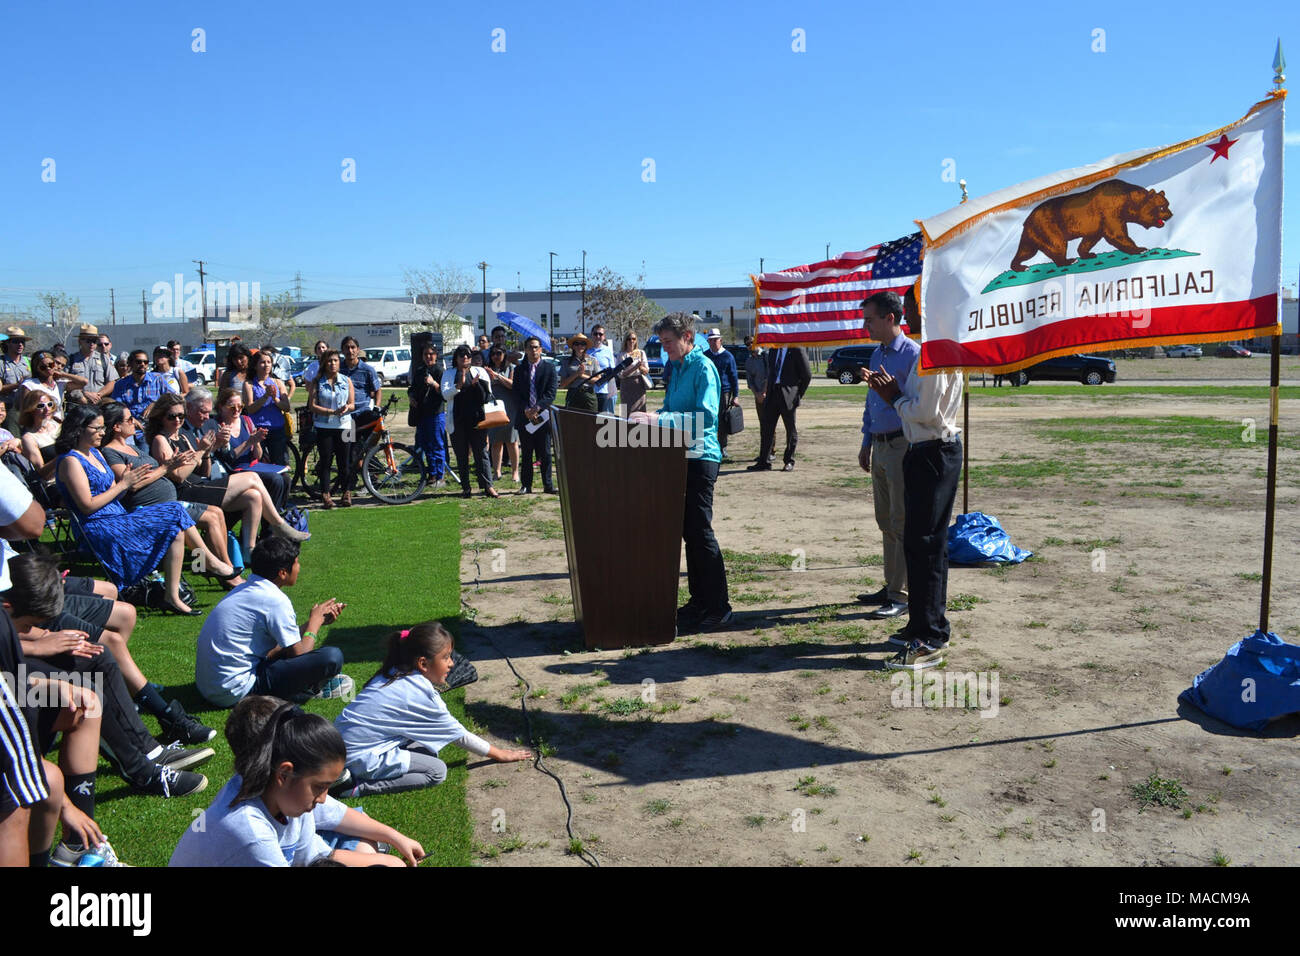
130 546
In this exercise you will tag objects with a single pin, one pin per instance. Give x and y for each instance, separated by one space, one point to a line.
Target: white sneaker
341 686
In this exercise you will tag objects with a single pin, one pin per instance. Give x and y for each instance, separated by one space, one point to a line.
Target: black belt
888 436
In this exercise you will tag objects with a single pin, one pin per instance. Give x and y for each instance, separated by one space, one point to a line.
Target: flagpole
965 419
1274 383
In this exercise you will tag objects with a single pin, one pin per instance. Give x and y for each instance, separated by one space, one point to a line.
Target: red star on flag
1221 147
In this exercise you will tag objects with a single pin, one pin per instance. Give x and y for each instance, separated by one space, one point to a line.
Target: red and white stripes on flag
820 303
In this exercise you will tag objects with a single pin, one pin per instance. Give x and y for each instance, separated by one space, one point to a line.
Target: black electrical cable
584 854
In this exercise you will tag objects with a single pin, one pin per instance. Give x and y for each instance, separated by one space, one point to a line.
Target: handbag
494 415
734 420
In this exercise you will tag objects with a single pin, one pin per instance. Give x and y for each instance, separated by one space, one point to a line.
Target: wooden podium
622 499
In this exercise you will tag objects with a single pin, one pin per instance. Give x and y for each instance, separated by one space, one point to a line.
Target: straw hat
87 329
579 339
15 334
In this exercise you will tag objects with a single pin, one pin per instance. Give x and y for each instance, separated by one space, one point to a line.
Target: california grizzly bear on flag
1182 243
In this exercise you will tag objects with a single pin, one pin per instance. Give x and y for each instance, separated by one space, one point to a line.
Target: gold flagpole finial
962 184
1279 66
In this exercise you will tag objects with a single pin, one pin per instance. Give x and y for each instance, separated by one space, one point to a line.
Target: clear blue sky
234 155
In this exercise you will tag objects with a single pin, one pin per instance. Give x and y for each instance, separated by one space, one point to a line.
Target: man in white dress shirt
927 406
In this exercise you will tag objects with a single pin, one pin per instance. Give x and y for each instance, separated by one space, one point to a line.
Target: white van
389 363
205 367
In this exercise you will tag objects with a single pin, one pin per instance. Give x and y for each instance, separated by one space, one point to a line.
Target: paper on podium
542 419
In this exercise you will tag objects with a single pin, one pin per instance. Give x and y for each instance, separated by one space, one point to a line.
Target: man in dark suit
788 377
535 385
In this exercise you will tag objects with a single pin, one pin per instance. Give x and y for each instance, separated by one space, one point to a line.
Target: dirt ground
780 742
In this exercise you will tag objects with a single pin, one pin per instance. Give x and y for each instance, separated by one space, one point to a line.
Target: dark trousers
330 445
706 575
295 679
723 404
120 726
775 409
930 473
467 440
274 446
530 442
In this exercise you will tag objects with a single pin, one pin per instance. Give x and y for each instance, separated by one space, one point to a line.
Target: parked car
389 362
654 357
1183 351
1231 351
741 355
1088 369
845 362
205 367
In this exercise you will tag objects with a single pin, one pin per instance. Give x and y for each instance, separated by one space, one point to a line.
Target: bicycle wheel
294 461
394 473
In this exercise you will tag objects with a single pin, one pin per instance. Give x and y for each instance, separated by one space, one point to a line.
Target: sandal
491 493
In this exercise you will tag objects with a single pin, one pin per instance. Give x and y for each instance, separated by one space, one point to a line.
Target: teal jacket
691 404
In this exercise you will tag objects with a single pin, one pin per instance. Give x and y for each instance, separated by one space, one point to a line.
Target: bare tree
441 292
619 305
275 318
64 316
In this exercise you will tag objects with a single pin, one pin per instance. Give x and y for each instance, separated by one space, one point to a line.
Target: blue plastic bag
236 553
1257 681
977 538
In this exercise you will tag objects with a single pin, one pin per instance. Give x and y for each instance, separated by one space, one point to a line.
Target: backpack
295 518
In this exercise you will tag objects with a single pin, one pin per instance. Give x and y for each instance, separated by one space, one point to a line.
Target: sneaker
917 656
180 726
178 756
900 638
439 484
102 854
689 613
336 687
716 620
167 782
343 784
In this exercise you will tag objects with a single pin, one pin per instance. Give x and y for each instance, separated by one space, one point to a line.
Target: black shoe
551 490
789 466
467 493
760 466
166 782
900 638
525 490
888 610
180 726
179 757
171 608
876 597
716 620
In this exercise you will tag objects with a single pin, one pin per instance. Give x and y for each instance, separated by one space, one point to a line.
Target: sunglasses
139 361
177 417
44 405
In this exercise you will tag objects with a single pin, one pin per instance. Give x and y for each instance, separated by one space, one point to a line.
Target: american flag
819 304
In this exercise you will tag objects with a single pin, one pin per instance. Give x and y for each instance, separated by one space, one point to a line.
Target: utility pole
828 250
760 265
551 285
203 298
483 266
144 309
584 291
112 306
297 287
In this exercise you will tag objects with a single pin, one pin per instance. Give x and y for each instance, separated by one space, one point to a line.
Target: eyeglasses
94 428
139 361
44 405
177 417
106 344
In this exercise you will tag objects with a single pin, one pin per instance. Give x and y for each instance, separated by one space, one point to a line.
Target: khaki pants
887 492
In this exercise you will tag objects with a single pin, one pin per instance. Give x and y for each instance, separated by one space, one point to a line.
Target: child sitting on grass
398 723
332 818
262 816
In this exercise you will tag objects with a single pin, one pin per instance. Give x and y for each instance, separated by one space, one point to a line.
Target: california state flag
1177 244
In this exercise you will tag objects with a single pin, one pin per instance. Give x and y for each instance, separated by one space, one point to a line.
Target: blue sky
234 155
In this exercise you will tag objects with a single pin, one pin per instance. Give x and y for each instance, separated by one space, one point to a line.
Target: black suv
1088 369
845 362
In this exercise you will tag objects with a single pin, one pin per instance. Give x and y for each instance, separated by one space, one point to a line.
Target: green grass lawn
394 567
858 393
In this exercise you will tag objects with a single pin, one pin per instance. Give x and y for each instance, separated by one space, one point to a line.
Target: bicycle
393 472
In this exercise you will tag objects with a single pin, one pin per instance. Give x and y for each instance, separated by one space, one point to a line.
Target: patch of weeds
1226 771
492 784
1032 624
1159 792
824 722
538 694
1049 764
676 823
915 855
937 800
755 821
964 602
1001 834
809 787
657 808
622 706
799 722
947 817
588 797
1220 860
824 689
575 847
1250 575
512 842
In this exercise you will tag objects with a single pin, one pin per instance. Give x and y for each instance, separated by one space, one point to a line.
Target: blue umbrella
526 327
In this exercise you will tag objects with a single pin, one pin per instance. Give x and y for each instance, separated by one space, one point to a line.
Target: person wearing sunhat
725 363
13 370
94 363
575 371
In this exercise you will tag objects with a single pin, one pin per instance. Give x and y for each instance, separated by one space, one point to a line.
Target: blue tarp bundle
977 538
1257 681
